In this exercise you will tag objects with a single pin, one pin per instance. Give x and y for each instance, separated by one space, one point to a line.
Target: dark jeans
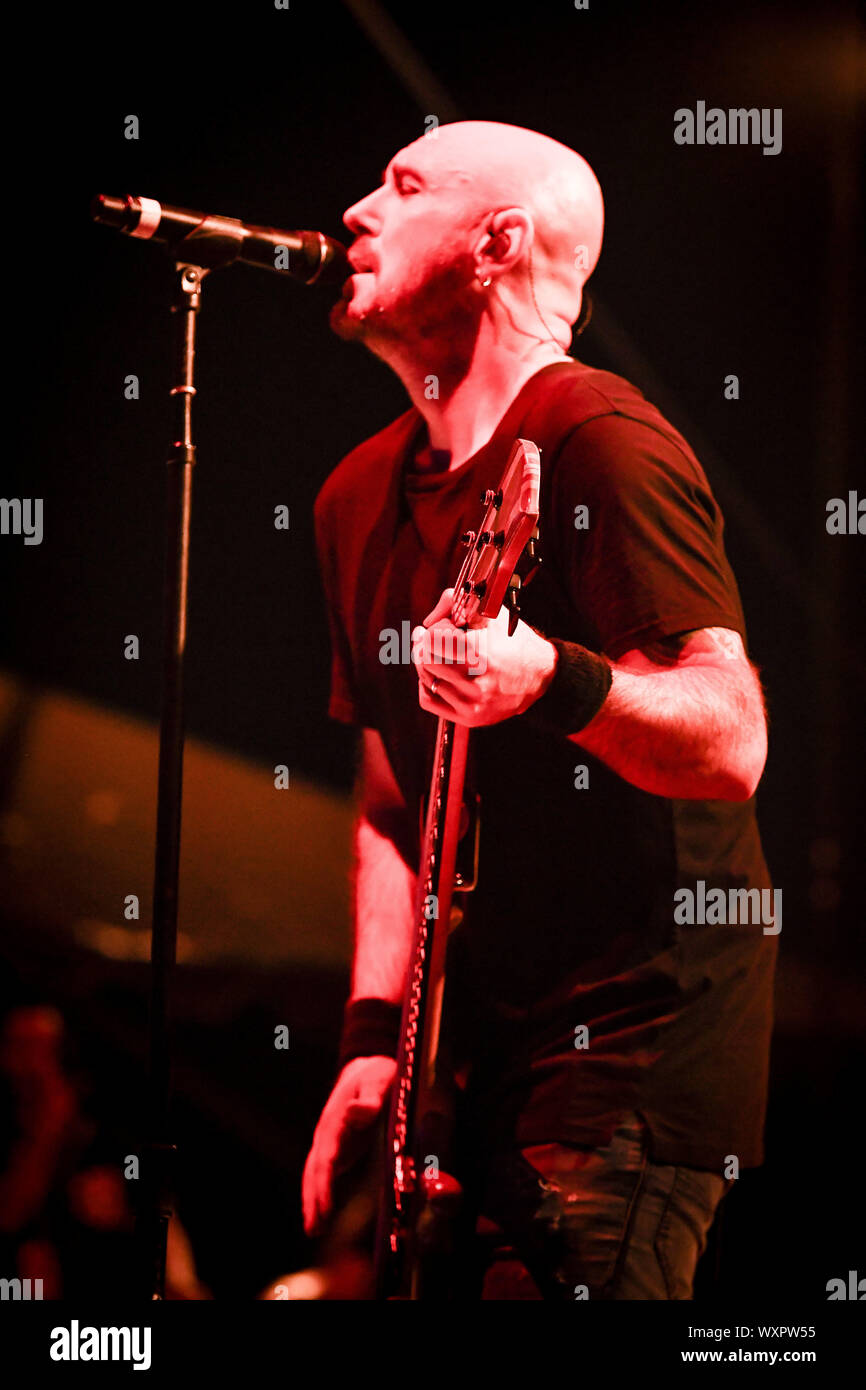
564 1223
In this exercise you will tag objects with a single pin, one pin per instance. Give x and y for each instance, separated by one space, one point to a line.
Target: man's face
411 255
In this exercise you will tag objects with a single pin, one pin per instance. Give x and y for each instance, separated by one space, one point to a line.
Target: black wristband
371 1028
577 692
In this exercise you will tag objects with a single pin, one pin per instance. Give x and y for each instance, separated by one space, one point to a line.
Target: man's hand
498 676
342 1133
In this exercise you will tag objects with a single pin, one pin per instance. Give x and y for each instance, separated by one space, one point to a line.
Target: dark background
716 260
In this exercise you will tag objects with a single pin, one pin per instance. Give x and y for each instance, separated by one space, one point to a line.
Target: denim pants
563 1223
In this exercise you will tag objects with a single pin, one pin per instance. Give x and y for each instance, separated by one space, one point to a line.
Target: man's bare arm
384 883
384 887
684 718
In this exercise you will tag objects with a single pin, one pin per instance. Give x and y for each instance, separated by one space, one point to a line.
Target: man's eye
409 187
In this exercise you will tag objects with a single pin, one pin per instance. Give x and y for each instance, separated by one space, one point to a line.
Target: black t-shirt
572 923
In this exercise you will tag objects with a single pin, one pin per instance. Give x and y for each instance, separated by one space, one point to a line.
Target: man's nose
362 216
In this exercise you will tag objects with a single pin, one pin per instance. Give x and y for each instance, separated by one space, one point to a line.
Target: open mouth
359 265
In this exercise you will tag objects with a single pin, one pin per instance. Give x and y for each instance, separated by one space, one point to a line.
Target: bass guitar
420 1198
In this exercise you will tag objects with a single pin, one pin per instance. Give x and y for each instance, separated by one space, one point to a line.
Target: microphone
205 240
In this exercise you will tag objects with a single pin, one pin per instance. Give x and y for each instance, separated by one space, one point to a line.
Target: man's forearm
691 732
384 914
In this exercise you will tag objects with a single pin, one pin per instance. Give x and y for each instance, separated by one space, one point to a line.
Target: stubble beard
433 319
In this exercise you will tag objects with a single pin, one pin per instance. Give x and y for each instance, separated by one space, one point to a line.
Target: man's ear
498 244
507 238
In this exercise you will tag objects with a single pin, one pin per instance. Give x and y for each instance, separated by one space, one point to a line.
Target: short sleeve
343 704
646 558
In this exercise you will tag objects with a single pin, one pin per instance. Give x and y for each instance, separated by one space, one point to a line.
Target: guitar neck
418 1060
420 1103
442 834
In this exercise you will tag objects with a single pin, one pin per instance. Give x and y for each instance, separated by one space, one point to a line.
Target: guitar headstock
489 575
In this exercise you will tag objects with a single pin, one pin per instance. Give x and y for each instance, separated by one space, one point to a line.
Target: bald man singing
612 1044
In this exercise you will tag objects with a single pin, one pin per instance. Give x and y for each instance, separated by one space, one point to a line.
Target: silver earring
484 283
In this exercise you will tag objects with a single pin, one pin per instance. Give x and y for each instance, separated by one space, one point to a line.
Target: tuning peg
530 560
468 538
479 589
490 498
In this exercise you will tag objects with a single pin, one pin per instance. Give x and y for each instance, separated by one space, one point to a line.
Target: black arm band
371 1028
577 692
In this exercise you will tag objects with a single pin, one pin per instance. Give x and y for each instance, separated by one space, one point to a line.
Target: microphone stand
159 1152
212 243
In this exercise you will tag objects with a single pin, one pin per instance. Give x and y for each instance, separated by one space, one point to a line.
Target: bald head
502 166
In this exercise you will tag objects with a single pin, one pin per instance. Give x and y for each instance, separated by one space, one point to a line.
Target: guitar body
418 1219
